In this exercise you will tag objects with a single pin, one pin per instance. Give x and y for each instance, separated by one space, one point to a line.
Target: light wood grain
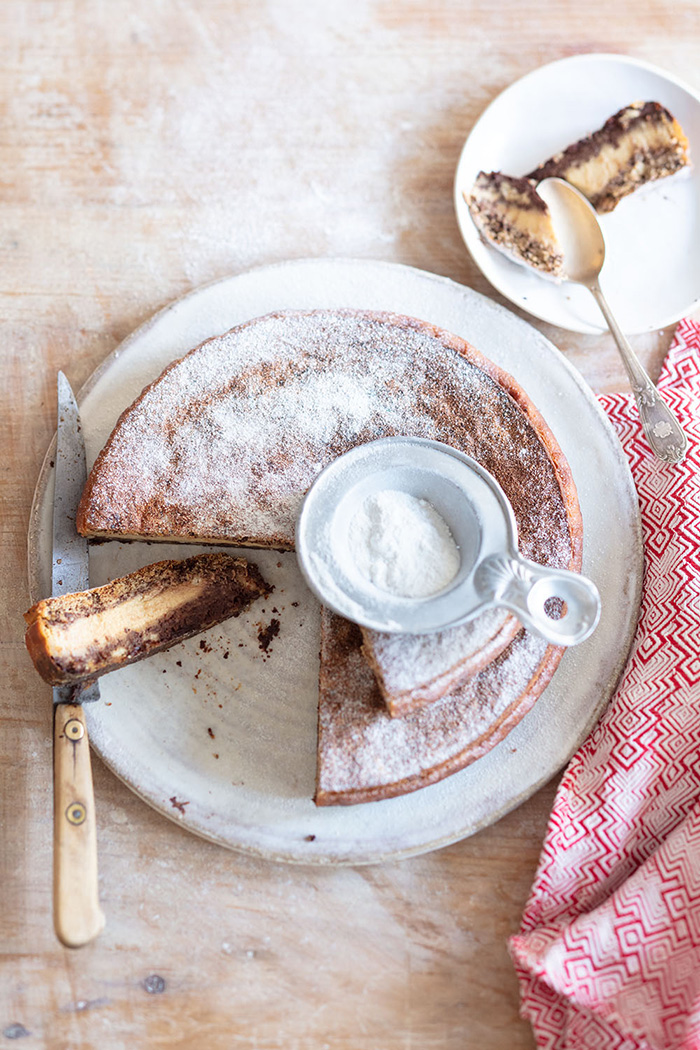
145 149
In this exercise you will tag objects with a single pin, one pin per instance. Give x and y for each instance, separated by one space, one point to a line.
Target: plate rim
464 222
467 829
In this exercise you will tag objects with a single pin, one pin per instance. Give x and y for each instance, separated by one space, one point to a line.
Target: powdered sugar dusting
402 545
433 663
363 750
227 441
224 445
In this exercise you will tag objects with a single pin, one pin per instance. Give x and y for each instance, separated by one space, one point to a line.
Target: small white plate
221 736
651 276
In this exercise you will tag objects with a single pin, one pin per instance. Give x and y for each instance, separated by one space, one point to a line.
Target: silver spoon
583 247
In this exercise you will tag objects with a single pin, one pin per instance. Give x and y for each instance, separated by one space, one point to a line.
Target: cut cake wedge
78 636
364 755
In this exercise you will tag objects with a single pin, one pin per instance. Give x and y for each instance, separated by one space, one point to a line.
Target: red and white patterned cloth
608 954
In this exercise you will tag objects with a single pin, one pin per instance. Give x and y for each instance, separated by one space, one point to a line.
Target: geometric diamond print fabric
608 954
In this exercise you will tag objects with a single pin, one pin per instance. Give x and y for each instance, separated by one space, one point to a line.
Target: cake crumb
266 634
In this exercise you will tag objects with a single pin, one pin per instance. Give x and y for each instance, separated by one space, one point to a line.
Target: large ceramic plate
651 276
220 735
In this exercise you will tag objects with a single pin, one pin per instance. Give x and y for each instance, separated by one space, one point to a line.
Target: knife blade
76 908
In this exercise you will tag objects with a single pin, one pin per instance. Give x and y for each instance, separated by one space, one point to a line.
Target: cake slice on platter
364 755
78 636
410 674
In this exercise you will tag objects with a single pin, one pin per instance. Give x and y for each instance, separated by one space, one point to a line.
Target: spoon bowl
577 228
583 247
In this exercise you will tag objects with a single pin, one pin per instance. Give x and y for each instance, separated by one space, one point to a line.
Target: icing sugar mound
402 545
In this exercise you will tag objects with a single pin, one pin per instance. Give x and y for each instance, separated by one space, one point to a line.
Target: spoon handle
663 431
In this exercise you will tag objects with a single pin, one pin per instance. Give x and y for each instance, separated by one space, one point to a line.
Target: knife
76 907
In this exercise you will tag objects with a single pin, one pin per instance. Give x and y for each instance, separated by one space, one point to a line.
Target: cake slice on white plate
639 144
509 214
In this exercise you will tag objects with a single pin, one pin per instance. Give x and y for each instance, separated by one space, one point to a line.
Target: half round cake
222 447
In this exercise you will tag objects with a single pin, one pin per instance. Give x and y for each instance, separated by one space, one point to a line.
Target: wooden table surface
146 148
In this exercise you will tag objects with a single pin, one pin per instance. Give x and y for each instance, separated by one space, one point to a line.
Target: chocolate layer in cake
510 215
78 636
639 144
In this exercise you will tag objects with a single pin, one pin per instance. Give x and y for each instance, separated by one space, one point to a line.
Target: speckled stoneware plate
218 733
651 276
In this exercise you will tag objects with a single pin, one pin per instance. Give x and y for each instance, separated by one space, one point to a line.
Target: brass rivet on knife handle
74 729
76 813
77 914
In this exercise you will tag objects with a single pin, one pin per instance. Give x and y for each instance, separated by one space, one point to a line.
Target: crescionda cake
509 213
641 143
73 637
222 447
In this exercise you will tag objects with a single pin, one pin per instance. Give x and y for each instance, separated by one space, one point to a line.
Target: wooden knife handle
76 907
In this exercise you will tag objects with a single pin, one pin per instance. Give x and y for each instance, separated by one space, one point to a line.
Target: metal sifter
491 571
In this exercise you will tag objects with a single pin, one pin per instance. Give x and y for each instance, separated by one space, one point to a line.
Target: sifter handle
524 587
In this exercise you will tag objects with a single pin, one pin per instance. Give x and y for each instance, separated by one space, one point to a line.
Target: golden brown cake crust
224 444
83 635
